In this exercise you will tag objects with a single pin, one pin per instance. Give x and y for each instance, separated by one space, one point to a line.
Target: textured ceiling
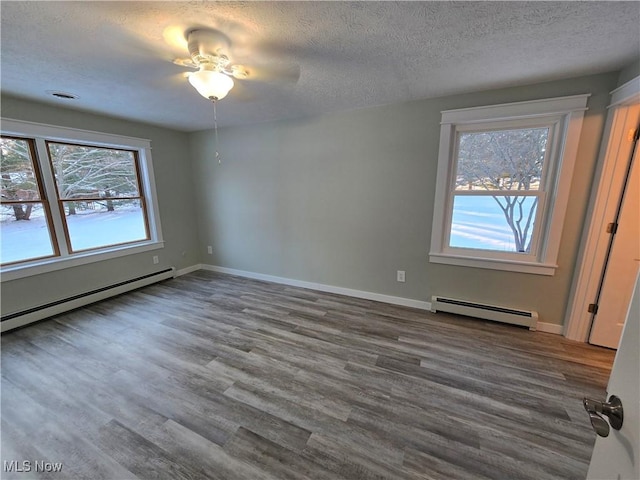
116 56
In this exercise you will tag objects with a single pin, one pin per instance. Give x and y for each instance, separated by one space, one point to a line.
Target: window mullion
540 233
51 197
147 191
496 193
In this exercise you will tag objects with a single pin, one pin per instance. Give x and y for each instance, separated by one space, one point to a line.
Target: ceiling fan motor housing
209 51
207 43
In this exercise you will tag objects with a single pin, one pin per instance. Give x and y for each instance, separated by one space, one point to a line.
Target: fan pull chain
215 129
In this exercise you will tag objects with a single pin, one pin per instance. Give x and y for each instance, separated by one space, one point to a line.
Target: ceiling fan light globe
211 84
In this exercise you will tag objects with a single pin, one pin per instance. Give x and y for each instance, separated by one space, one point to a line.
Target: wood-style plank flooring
222 377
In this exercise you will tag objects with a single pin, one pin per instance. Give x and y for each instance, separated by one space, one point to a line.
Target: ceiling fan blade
241 93
318 54
135 45
274 72
174 37
185 62
239 72
171 81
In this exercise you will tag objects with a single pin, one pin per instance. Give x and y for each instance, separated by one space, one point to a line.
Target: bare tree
84 175
505 162
97 174
18 182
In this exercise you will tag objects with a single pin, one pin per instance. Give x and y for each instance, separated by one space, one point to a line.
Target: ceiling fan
209 53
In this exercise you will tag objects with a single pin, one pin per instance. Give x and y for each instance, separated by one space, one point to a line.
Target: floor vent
524 318
25 317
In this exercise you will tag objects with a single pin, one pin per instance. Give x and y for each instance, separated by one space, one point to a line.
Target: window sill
534 268
14 272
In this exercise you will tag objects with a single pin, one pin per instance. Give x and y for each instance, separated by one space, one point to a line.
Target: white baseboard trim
550 328
378 297
46 311
405 302
94 297
192 268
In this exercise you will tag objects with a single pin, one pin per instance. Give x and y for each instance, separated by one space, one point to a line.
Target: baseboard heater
25 317
524 318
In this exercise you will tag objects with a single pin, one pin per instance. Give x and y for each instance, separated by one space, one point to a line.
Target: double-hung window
504 174
71 197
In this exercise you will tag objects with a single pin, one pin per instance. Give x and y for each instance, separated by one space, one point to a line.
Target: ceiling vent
62 95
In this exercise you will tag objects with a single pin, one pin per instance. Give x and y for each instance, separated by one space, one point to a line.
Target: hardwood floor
222 377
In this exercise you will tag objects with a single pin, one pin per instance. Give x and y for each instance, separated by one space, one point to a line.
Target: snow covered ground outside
30 239
478 222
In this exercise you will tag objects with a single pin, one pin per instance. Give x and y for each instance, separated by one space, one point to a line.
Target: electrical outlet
400 276
156 260
209 249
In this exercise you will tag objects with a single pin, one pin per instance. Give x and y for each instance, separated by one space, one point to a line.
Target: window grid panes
99 194
498 189
503 184
61 198
25 222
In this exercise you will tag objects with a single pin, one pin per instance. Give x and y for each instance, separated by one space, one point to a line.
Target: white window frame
564 116
40 133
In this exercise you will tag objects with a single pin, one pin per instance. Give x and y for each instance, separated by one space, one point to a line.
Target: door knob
611 409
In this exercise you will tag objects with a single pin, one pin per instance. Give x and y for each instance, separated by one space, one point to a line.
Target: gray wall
630 72
346 199
171 163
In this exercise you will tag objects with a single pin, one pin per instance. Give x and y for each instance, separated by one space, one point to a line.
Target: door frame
602 205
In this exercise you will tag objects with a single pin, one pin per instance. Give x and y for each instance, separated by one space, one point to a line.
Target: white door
617 457
622 267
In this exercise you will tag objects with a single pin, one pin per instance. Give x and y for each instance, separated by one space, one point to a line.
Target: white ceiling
116 56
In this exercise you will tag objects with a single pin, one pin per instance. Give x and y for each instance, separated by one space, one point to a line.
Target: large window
25 225
99 194
72 197
503 179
